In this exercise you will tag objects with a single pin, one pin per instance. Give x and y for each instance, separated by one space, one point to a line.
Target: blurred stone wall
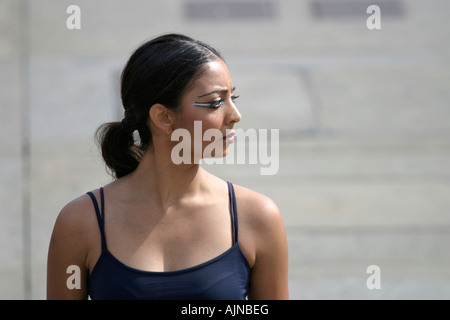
364 152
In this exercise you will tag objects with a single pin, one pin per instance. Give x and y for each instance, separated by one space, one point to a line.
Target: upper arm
266 233
67 271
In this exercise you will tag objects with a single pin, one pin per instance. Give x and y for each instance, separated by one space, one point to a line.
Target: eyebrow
215 91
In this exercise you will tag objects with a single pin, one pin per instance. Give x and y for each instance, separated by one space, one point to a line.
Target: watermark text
251 147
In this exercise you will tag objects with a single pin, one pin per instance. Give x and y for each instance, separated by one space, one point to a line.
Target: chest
181 237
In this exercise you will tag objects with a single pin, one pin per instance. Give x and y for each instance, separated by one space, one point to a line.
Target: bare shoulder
256 208
70 244
75 220
77 212
263 240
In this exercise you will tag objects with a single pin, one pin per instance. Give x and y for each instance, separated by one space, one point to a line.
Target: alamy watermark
258 140
374 280
239 141
73 22
374 20
74 280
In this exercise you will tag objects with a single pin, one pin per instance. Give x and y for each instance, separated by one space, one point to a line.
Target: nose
233 114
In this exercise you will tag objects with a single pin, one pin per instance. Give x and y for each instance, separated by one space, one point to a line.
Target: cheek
211 121
197 126
197 122
200 126
207 119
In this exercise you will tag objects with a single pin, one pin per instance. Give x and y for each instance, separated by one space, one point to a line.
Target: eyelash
215 104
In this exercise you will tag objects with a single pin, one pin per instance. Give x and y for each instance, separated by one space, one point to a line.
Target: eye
210 105
215 104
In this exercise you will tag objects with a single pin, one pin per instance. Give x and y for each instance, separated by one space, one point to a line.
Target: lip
229 138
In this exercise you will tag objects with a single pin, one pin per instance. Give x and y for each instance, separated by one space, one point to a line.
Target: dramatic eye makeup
216 103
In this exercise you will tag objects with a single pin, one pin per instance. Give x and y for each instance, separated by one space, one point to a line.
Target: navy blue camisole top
225 277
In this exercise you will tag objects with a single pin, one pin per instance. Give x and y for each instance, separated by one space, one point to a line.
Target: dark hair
159 71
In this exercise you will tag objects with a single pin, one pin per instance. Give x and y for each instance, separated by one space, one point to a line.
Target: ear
162 118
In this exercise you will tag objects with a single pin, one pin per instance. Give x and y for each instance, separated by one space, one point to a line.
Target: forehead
215 76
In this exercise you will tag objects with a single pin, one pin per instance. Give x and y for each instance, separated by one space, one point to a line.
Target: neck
159 178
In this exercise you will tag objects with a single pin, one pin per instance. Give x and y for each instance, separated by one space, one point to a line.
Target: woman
163 230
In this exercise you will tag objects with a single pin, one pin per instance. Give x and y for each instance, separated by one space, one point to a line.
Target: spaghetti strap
233 212
225 277
100 213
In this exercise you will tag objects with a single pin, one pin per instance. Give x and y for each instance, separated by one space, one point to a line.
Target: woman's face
213 85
